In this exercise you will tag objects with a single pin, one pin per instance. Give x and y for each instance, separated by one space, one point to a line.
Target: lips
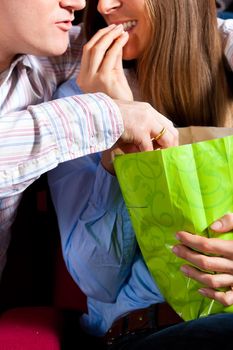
64 25
127 24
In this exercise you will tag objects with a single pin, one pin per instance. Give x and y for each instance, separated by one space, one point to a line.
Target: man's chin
59 46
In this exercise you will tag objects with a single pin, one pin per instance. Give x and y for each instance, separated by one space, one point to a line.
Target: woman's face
133 15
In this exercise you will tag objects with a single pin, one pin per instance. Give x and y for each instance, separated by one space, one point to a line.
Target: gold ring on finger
160 134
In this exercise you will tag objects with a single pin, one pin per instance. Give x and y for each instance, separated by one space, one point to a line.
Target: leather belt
154 317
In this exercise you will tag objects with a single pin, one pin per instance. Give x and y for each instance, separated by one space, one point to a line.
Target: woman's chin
129 56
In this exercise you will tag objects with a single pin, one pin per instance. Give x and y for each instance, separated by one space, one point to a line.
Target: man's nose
73 5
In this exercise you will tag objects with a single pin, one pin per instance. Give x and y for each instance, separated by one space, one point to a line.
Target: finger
98 35
224 224
98 52
85 61
84 66
93 49
145 144
168 124
119 57
216 246
113 57
204 262
225 298
169 138
217 280
142 122
166 140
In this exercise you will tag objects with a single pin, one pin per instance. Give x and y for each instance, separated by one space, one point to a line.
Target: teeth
128 25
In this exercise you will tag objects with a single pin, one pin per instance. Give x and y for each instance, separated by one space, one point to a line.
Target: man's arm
36 140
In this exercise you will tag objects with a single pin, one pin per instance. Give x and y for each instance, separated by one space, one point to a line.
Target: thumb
224 224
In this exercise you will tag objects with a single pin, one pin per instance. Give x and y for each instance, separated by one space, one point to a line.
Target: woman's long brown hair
182 73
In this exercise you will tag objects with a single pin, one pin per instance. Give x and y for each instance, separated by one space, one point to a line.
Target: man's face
38 27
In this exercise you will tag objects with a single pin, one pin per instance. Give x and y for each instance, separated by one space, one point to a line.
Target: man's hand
218 261
142 123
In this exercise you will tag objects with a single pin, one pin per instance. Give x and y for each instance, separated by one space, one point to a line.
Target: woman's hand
102 71
101 64
219 261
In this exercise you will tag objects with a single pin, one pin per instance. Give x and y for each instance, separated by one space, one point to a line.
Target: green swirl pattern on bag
180 188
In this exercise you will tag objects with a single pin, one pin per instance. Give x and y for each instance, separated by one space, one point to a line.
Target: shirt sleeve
98 240
226 31
36 140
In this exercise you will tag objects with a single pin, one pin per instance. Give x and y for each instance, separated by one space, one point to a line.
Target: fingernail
184 270
178 236
217 225
202 291
175 249
119 26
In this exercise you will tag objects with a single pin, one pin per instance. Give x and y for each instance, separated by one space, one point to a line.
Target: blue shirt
98 241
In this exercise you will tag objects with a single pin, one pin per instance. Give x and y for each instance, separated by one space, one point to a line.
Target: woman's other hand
217 258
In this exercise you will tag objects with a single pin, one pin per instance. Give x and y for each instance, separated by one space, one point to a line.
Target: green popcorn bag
180 188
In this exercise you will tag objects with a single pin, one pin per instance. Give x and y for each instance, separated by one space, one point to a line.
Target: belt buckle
136 321
114 332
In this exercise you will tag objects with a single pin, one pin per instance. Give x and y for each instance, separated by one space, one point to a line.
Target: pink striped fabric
36 134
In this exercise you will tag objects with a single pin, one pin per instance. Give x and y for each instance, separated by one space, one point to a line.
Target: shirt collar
20 60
